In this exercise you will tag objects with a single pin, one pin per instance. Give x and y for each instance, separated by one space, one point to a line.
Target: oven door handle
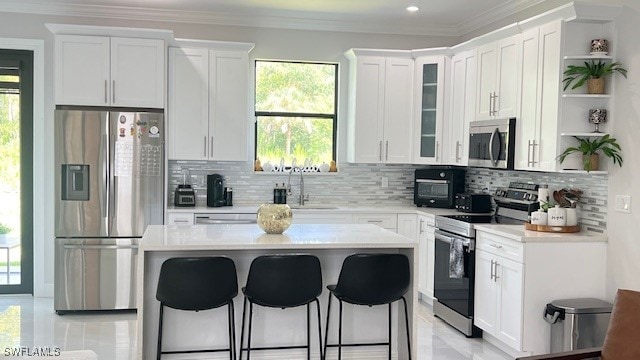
448 239
428 181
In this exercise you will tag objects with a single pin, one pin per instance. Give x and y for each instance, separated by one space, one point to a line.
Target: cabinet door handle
490 104
386 150
437 147
492 275
533 152
205 146
106 91
380 148
529 153
211 147
458 158
495 272
113 92
495 103
421 224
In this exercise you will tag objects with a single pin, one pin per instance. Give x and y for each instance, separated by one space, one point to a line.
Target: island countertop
251 237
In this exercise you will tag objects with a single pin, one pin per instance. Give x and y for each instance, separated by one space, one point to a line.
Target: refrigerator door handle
101 247
105 179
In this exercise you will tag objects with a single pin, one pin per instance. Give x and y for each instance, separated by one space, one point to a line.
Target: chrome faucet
302 198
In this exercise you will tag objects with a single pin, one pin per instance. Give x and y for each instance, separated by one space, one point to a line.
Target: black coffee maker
215 190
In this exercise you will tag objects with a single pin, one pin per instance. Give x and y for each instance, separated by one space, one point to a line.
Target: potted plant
4 230
593 74
590 151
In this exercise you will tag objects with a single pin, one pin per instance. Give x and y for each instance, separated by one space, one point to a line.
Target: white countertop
252 209
251 237
519 233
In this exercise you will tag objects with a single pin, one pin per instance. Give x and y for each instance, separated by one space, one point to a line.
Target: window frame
333 116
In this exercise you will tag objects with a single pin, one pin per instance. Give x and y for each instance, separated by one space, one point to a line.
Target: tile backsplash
361 185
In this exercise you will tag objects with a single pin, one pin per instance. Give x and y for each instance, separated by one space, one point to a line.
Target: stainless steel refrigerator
109 179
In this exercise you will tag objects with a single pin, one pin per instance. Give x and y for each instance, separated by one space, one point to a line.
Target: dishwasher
225 218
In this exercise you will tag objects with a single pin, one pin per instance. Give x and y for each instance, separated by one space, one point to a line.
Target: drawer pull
496 246
374 221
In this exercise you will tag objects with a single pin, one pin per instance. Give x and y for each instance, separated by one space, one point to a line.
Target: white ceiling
435 17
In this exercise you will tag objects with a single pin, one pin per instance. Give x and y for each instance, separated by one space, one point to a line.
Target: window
296 114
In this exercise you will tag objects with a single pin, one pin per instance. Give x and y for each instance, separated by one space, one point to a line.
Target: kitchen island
272 327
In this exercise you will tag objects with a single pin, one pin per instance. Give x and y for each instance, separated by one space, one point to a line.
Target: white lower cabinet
180 219
407 226
301 218
426 259
498 297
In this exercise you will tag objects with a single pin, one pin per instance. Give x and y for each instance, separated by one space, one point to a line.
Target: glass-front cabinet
429 116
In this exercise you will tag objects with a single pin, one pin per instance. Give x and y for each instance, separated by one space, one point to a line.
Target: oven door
433 192
455 293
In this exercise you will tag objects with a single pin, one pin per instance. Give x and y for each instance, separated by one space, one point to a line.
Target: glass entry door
16 172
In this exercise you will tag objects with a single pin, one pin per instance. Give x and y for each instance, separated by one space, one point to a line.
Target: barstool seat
282 281
370 279
195 284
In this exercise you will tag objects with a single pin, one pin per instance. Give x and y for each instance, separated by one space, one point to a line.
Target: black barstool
282 281
370 279
195 284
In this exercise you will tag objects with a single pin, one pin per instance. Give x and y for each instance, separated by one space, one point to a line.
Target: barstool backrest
284 280
197 283
374 279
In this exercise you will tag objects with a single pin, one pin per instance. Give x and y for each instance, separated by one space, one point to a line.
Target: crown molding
218 18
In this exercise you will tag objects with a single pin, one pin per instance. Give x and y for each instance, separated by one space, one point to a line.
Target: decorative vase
599 47
591 162
595 86
557 216
274 218
597 117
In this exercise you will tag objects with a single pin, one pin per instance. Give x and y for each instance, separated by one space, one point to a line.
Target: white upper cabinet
537 134
104 71
137 72
429 110
380 107
188 107
499 76
462 107
208 112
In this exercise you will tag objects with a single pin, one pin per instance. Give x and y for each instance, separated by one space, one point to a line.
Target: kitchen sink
313 207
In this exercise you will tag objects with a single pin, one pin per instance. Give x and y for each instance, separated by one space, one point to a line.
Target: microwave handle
495 133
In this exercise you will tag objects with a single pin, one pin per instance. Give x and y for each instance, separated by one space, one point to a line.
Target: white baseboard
296 354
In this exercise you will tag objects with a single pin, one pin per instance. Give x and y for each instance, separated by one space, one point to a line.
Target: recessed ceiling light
413 8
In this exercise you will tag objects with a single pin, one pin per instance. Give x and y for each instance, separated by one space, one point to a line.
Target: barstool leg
233 327
308 332
229 329
159 352
389 331
340 332
406 320
244 310
319 329
326 332
249 335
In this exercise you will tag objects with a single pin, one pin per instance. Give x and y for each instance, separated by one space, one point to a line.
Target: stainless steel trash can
577 323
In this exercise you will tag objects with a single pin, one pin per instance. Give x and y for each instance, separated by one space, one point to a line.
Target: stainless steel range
455 253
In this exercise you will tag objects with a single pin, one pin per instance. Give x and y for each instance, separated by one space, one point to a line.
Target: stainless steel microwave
492 143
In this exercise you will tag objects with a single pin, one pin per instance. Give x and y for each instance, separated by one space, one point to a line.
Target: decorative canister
572 217
557 216
597 117
539 218
599 47
274 218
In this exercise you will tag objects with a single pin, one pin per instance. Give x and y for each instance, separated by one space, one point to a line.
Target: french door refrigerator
109 179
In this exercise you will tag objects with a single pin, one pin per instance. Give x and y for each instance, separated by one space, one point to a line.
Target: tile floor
28 321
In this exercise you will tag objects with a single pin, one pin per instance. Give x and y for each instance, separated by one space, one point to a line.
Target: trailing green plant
4 229
605 144
590 70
